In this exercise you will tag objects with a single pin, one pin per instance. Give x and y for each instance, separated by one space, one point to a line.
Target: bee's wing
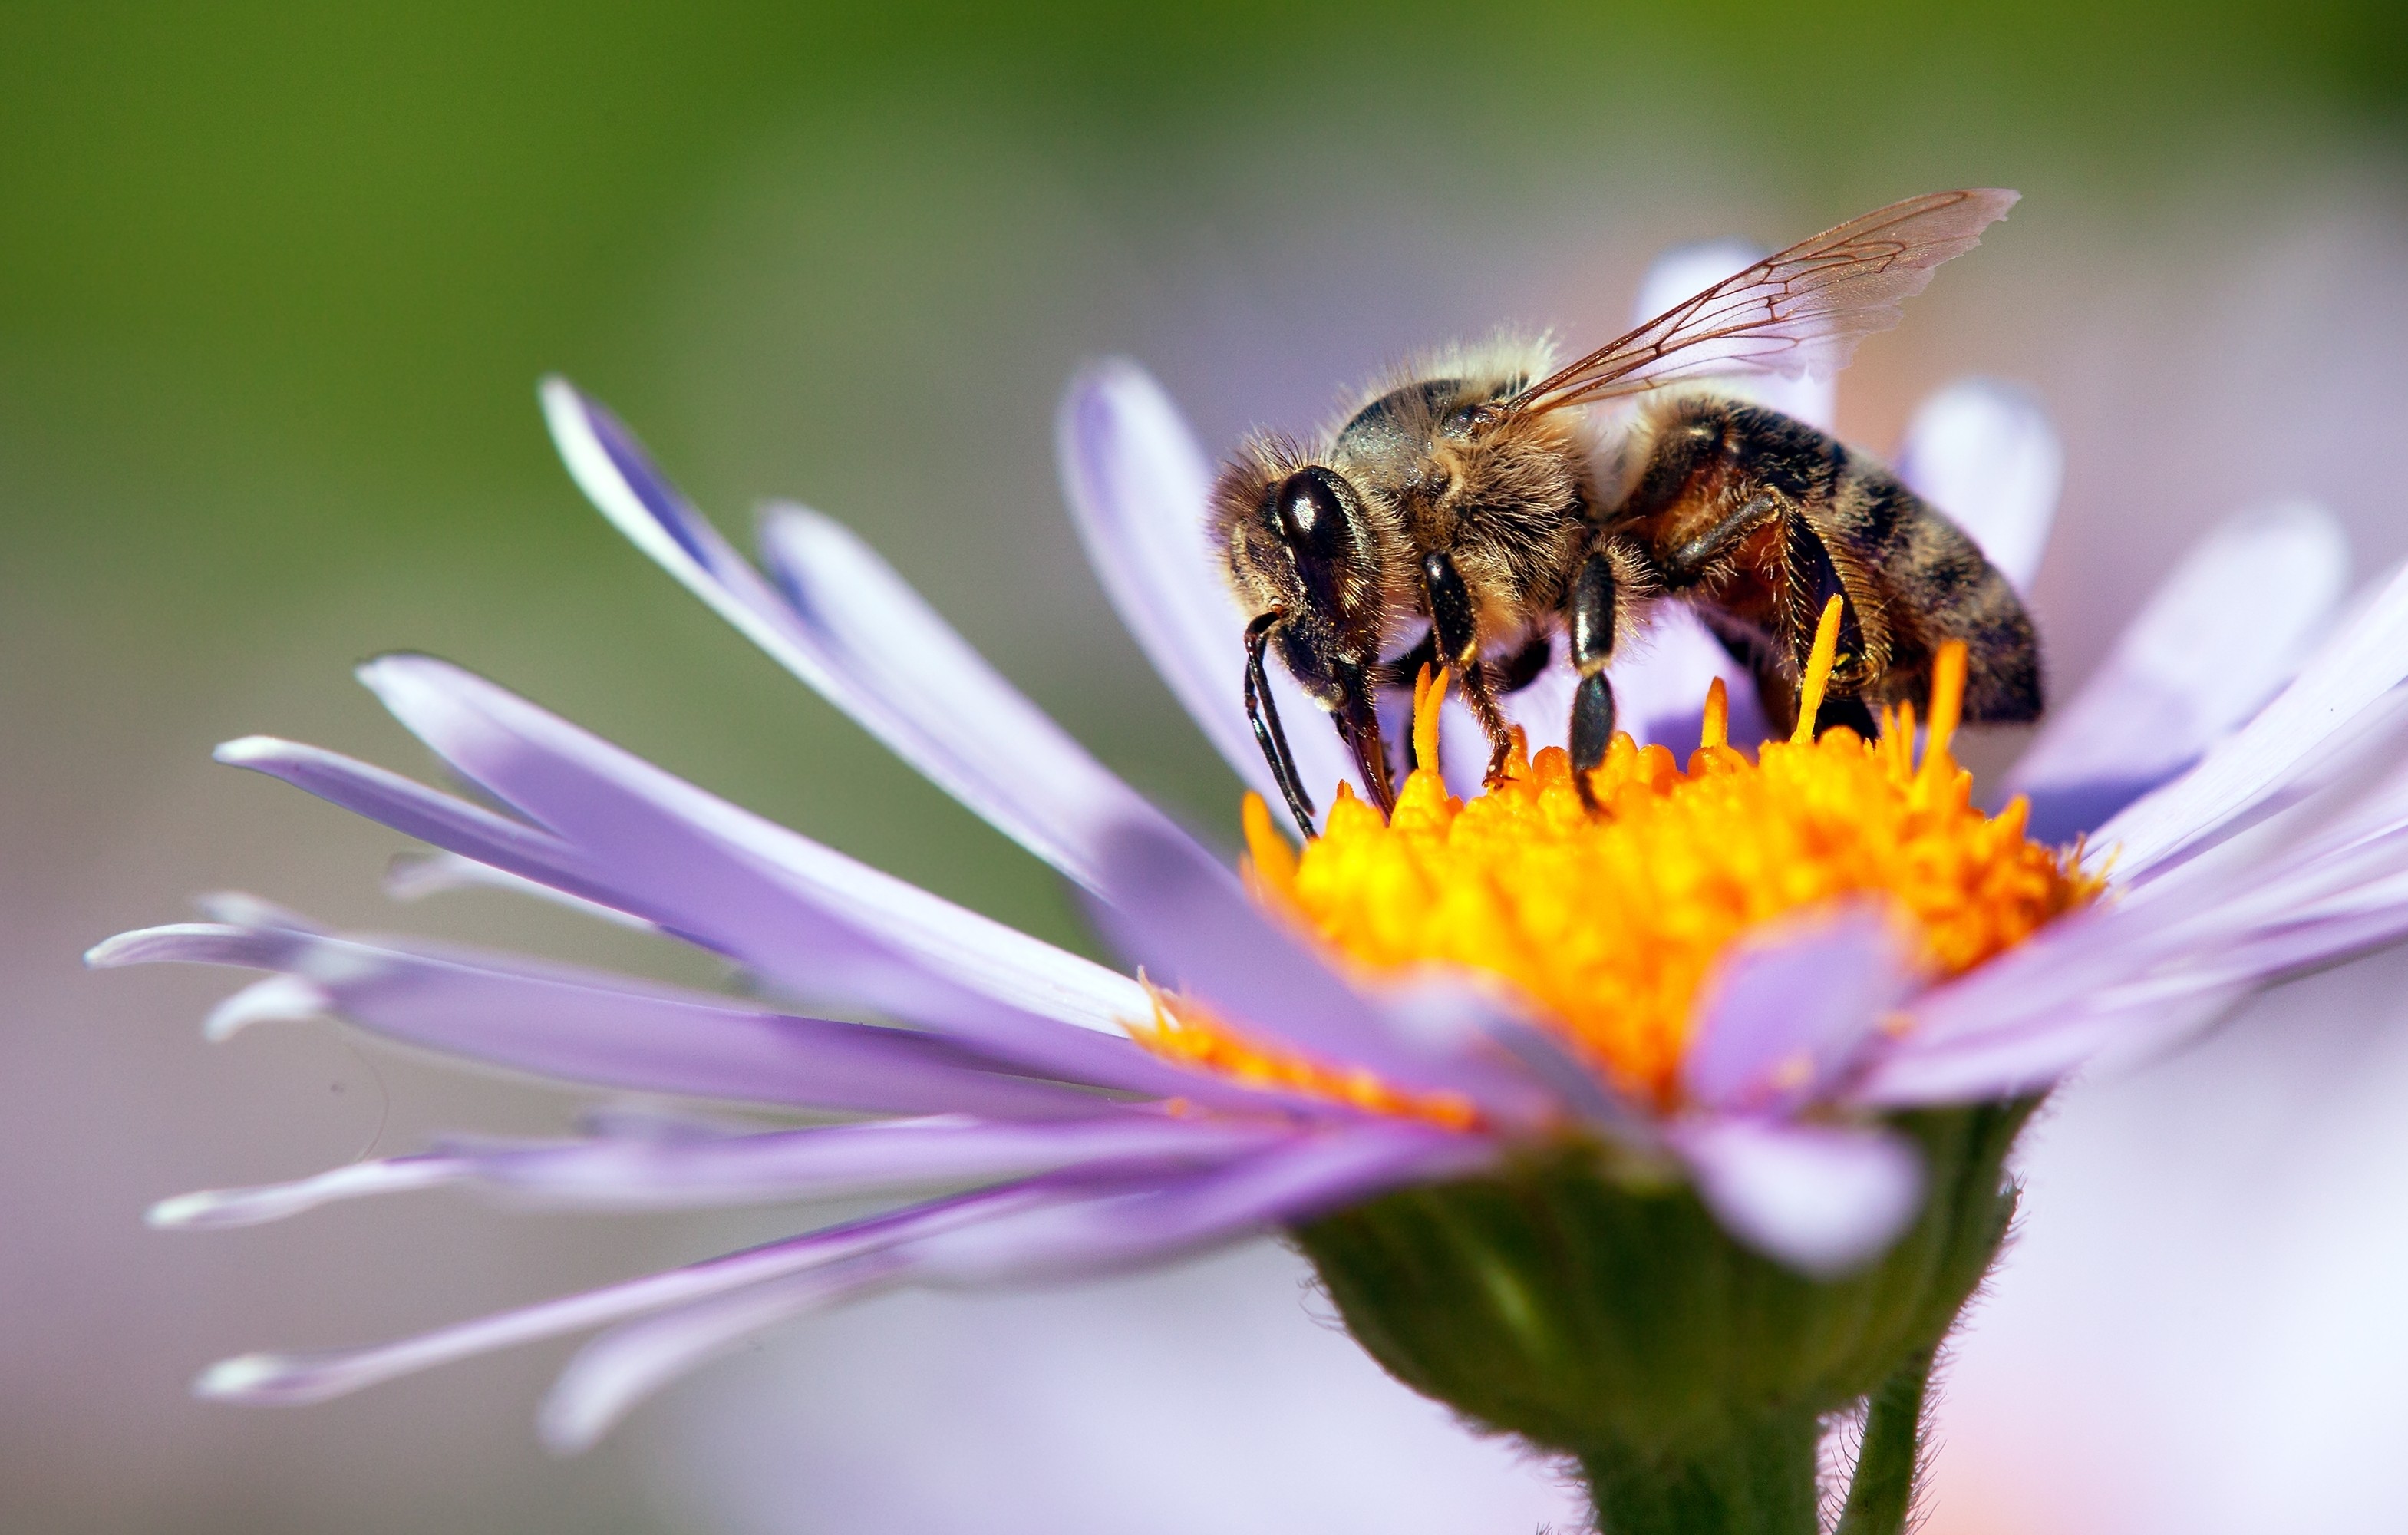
1800 311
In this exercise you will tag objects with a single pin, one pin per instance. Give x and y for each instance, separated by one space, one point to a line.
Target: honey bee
1468 513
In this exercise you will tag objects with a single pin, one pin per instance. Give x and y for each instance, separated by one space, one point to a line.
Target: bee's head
1298 545
1302 558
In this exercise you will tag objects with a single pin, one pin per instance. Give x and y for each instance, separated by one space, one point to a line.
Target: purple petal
282 1379
862 639
908 677
2010 1062
1985 453
2348 673
581 1025
1303 1178
415 810
610 1375
415 877
688 1170
1136 483
1686 270
822 924
814 886
1785 1015
1185 919
214 1208
1066 1238
2323 879
2185 674
1821 1199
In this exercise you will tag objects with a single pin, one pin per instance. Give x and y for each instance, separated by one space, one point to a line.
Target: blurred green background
275 281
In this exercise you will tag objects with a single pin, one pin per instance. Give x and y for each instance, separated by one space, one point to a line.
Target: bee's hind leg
1458 629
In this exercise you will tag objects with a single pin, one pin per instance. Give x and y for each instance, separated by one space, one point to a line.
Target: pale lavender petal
1440 1002
1785 1014
2010 1062
1307 1177
610 1375
2185 673
582 1025
822 924
1136 483
908 677
1188 922
292 1379
431 816
932 700
2323 879
213 1208
690 1170
2349 672
848 1160
415 877
1067 1238
1822 1199
818 892
1687 270
1983 452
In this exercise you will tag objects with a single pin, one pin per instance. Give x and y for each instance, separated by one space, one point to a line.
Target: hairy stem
1882 1493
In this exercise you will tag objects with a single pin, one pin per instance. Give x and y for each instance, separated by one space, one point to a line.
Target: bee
1469 514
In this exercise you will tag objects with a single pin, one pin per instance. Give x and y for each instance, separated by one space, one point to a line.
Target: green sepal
1604 1315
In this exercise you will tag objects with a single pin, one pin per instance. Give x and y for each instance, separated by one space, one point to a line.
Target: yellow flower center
1610 920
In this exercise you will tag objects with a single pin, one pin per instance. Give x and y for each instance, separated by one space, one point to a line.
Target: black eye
1311 518
1312 521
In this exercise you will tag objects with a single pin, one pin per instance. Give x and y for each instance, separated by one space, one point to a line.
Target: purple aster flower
1835 1088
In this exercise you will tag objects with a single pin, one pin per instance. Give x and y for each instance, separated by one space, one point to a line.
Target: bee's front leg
1457 628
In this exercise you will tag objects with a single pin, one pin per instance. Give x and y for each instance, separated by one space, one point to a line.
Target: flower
1393 1048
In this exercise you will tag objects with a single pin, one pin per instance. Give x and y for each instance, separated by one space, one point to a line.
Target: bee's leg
1457 628
1591 622
1813 581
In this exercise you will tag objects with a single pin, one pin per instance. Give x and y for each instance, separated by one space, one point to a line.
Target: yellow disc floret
1609 918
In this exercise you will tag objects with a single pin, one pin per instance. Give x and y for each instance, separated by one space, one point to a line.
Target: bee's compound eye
1311 517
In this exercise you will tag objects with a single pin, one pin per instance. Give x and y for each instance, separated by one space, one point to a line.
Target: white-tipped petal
276 1379
1983 452
614 1372
226 1207
277 1000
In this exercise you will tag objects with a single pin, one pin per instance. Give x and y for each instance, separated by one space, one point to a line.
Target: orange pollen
1611 921
1182 1032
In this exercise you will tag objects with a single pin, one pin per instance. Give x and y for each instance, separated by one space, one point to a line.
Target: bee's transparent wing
1800 310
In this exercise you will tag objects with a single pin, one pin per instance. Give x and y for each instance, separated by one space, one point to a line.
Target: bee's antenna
1263 714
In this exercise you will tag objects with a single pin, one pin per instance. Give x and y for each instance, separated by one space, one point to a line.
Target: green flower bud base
1597 1311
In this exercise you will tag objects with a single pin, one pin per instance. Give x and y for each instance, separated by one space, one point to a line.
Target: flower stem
1757 1482
1882 1492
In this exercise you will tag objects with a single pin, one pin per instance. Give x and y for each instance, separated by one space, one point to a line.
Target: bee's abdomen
1936 587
